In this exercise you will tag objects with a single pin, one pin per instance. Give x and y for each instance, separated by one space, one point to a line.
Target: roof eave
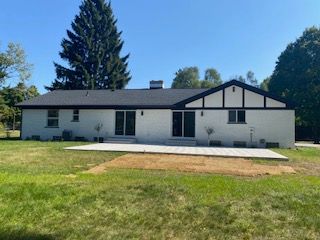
96 106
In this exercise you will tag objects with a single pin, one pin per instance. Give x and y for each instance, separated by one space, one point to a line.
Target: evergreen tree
92 51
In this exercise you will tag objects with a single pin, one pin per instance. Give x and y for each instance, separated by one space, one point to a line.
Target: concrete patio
201 151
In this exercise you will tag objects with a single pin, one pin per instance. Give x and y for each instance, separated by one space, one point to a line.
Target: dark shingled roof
153 98
133 98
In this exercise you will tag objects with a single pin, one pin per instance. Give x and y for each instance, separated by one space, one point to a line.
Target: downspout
21 124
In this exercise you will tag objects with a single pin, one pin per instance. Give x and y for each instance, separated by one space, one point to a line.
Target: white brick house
238 113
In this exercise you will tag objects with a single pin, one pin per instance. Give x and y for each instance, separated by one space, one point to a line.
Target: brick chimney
156 84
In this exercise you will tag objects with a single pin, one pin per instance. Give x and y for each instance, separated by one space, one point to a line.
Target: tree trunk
14 122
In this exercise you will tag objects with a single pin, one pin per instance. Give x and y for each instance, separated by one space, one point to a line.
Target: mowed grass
304 160
31 157
44 194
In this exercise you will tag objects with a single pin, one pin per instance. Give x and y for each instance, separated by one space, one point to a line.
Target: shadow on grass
24 235
9 139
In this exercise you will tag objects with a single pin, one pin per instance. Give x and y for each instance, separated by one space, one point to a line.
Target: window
183 124
75 117
241 116
53 118
237 116
125 123
232 116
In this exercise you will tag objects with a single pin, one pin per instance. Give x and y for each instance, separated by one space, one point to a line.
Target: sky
233 36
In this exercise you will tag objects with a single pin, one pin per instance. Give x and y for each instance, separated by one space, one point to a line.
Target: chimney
156 84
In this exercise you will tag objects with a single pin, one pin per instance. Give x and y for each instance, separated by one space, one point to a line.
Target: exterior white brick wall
34 122
271 125
155 126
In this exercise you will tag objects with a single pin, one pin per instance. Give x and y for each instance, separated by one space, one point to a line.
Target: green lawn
45 195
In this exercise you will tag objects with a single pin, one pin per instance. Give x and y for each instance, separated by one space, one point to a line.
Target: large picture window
183 124
125 123
237 116
53 118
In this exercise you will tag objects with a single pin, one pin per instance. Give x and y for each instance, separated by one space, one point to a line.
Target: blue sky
233 36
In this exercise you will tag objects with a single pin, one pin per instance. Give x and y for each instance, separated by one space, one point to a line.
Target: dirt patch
201 164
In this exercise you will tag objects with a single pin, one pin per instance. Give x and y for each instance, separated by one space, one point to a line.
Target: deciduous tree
251 79
187 77
297 77
9 97
212 78
13 64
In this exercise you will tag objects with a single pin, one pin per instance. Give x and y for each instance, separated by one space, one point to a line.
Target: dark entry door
177 124
119 123
189 124
130 123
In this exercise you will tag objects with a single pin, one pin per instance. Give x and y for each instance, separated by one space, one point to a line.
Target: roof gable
234 83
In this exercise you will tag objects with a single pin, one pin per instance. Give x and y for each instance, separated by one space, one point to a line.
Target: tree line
189 77
14 69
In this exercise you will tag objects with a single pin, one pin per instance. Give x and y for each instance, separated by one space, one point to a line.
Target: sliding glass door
183 124
125 123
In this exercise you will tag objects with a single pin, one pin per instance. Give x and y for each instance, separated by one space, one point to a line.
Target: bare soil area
199 164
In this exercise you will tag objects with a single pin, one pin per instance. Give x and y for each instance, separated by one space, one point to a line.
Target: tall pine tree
92 51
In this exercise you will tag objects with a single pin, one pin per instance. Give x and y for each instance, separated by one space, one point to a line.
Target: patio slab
201 151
